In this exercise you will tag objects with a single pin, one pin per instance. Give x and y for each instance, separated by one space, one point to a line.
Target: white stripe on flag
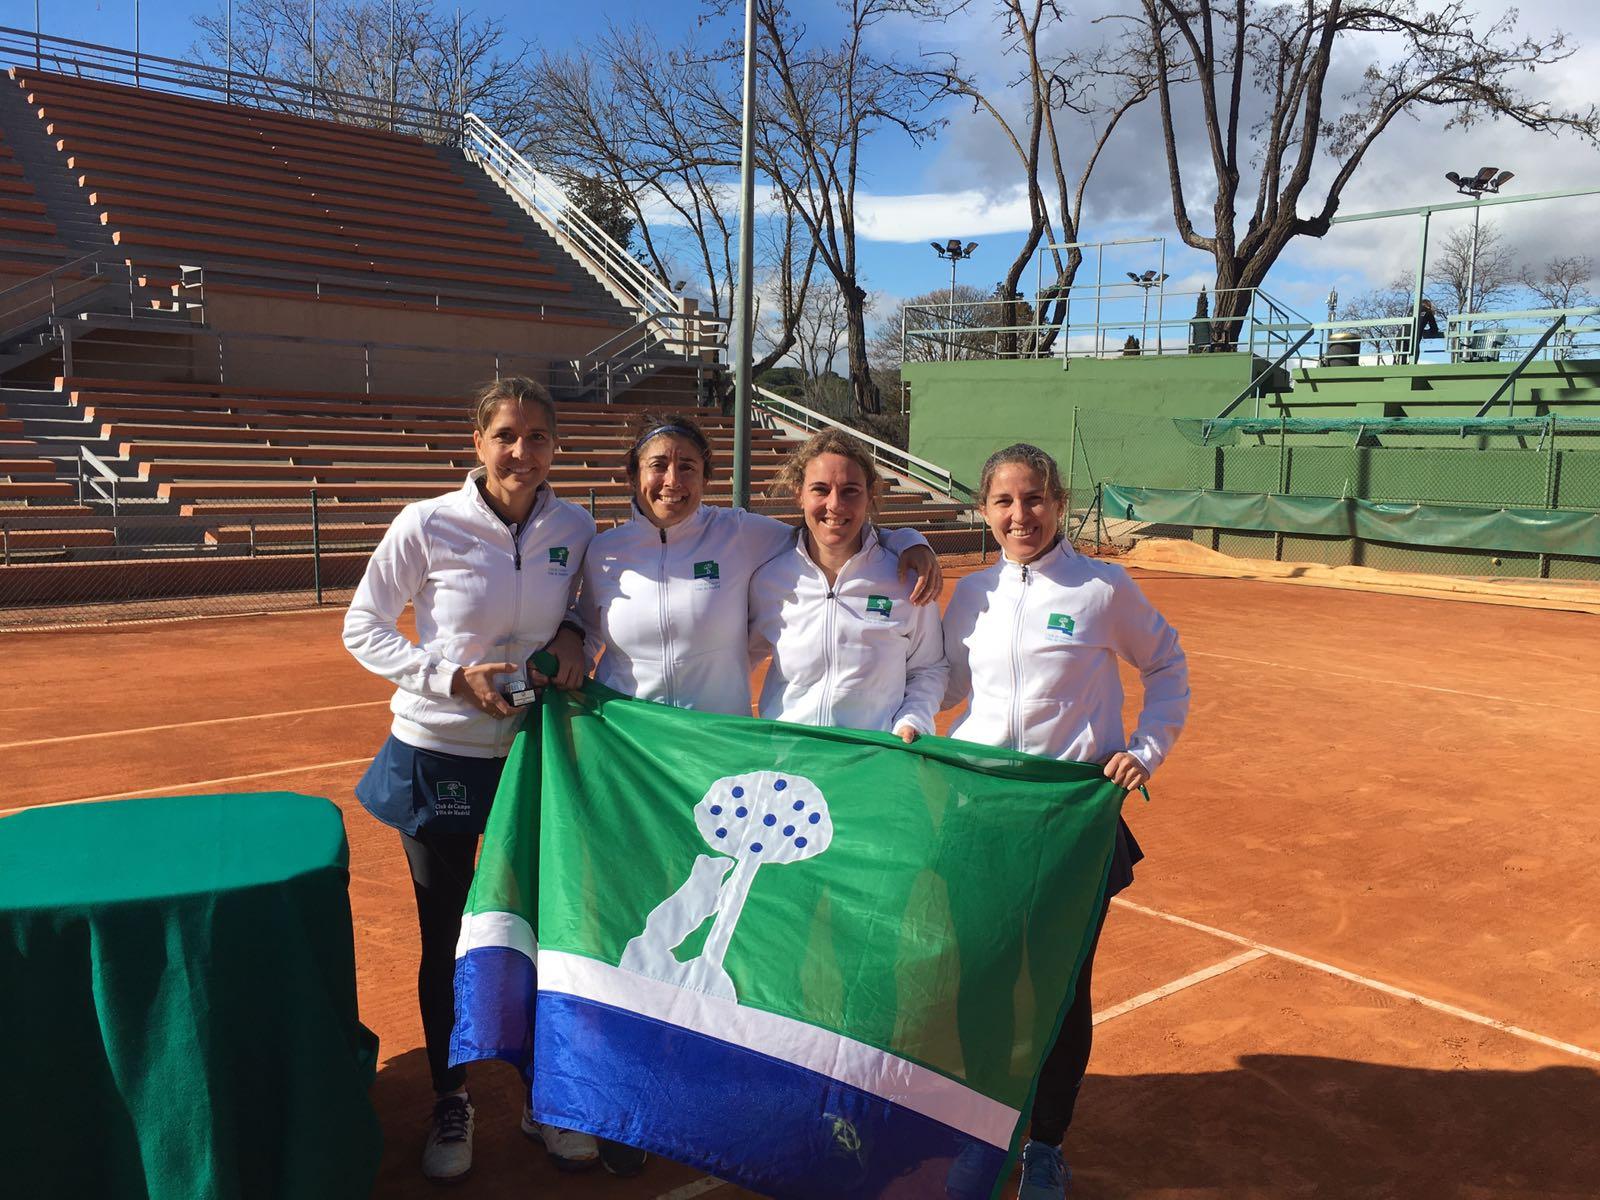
502 929
853 1063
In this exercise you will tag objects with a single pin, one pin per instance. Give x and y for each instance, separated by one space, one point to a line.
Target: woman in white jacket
490 571
848 647
1033 644
666 593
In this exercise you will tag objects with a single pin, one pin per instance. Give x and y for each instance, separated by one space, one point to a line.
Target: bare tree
1482 265
365 61
1392 303
1096 88
820 336
936 328
819 102
1561 282
1261 70
630 111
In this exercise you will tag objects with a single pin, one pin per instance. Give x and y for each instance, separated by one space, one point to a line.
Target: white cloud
937 216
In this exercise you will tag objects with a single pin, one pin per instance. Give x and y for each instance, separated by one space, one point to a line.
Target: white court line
1405 683
698 1188
166 788
1177 985
295 712
1376 984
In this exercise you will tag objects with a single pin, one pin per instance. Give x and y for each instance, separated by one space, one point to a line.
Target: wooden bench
41 490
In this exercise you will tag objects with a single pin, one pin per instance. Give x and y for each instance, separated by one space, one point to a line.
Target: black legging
1064 1066
441 874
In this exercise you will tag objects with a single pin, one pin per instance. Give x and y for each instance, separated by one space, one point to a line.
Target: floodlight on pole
955 252
1144 283
1486 181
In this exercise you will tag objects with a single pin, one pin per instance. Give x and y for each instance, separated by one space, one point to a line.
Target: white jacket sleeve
1143 637
926 672
397 571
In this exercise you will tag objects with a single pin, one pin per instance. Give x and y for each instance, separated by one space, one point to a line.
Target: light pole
743 302
1144 283
1485 181
955 252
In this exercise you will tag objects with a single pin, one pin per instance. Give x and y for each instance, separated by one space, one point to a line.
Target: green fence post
1283 479
316 546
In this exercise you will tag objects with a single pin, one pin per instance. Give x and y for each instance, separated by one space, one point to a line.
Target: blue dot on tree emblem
769 819
801 842
756 847
741 811
780 785
737 792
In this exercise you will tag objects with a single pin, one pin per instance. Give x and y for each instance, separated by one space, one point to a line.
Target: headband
676 427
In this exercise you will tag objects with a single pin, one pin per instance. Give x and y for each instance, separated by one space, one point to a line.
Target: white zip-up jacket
483 591
1034 650
670 607
856 652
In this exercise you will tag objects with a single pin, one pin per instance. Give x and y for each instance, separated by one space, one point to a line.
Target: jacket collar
689 527
475 497
869 544
1045 563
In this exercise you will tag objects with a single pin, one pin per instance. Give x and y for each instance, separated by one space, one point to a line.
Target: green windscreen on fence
1539 531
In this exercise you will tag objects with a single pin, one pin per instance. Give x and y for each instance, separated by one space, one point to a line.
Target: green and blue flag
810 961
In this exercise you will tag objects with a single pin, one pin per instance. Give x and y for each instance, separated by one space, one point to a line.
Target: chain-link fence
1509 497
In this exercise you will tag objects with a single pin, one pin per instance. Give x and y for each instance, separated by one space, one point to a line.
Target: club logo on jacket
558 561
1059 628
707 575
879 607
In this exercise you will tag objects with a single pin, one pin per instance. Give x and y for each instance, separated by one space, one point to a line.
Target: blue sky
964 185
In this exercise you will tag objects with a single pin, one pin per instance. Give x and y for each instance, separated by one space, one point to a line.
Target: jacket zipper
666 635
825 717
1014 733
506 736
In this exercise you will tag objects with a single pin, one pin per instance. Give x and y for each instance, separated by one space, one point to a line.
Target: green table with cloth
178 1003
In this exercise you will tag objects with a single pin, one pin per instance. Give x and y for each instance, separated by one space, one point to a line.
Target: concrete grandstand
234 341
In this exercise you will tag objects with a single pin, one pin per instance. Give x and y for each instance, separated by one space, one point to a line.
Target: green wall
961 412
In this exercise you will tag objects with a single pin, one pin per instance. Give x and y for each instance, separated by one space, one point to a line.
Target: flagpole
743 304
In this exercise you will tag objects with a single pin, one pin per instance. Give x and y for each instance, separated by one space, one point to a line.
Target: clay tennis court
1361 959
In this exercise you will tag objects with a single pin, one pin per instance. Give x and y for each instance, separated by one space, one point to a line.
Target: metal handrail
901 462
87 457
24 48
317 281
637 285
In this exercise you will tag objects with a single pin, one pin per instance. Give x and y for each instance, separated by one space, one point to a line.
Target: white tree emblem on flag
762 818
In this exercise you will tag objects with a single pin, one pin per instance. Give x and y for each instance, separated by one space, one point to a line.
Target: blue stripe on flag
779 1129
494 1007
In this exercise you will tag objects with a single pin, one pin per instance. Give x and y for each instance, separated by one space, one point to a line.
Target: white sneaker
447 1154
569 1150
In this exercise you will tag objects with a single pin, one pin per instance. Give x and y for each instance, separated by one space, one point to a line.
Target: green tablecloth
178 1003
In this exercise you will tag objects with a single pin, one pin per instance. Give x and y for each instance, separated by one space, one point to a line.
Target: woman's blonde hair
516 389
791 476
